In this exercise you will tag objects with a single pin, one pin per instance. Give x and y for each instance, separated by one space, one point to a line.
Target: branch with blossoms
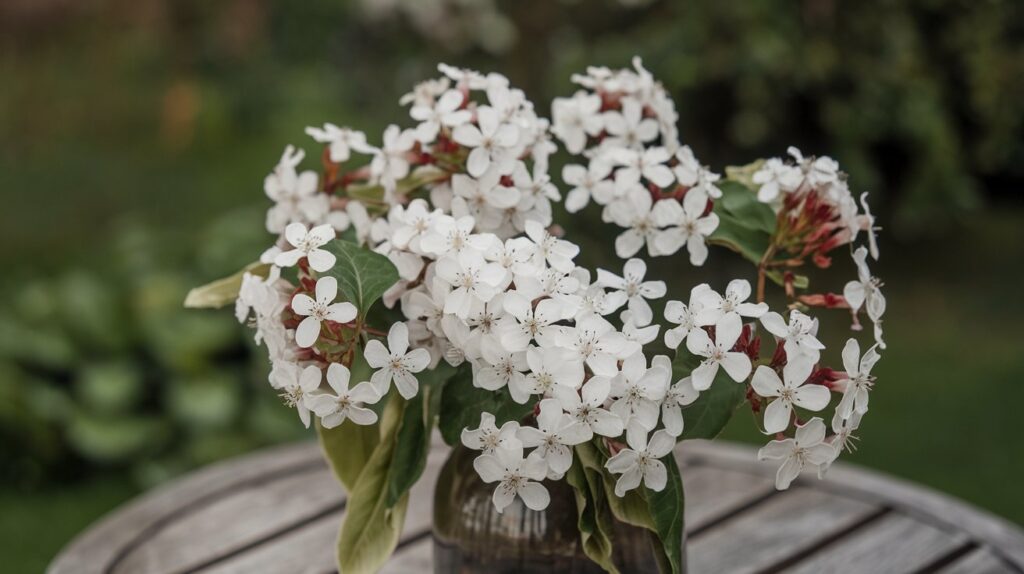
487 329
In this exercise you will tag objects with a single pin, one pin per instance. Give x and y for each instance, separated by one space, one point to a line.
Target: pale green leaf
666 508
222 291
593 515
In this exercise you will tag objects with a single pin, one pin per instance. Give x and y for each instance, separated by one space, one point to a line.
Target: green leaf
363 275
462 403
593 515
370 531
631 508
222 291
666 509
413 442
750 243
742 204
743 174
708 415
348 448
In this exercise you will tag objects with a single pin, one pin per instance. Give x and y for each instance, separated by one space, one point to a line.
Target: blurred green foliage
104 369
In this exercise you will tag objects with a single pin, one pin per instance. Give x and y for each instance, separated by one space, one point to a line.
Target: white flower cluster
485 280
624 124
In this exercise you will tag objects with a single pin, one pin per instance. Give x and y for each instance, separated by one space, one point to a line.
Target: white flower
321 309
649 163
585 406
416 220
489 142
639 463
345 403
587 182
844 439
691 174
559 253
474 281
485 197
718 352
295 384
531 323
555 433
396 362
390 163
690 228
679 395
596 342
295 195
799 334
487 437
635 333
791 393
629 128
307 244
776 176
638 391
807 449
442 112
576 118
448 234
643 220
517 476
858 381
340 141
503 368
685 316
866 292
713 305
635 288
550 367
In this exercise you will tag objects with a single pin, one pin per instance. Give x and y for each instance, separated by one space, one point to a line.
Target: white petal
307 332
737 365
656 476
534 495
376 354
777 416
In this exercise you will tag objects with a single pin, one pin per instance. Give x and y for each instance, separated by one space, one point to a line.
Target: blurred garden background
135 136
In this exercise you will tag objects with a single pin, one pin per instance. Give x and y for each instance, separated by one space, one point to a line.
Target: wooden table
278 510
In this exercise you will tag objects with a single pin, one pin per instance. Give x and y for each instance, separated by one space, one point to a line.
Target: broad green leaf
222 291
413 442
348 448
708 415
363 275
631 508
593 516
370 531
742 203
666 509
750 243
462 403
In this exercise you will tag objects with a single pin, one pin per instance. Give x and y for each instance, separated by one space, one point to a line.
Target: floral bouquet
423 283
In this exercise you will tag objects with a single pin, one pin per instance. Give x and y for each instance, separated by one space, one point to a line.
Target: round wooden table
278 510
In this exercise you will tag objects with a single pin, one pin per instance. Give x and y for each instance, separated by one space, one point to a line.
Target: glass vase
471 537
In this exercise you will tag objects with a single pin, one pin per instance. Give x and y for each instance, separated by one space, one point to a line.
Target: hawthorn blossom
635 333
648 163
587 182
690 228
801 342
555 433
296 384
808 448
643 220
638 391
691 174
718 352
775 177
858 380
445 111
678 395
683 315
307 244
515 475
531 323
789 392
637 290
639 463
595 341
396 362
416 220
628 127
448 234
550 367
501 368
866 292
557 252
714 306
474 281
345 403
576 118
321 309
489 142
295 195
390 163
585 406
340 141
488 437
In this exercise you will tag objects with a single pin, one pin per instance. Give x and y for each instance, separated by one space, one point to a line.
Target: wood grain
279 511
